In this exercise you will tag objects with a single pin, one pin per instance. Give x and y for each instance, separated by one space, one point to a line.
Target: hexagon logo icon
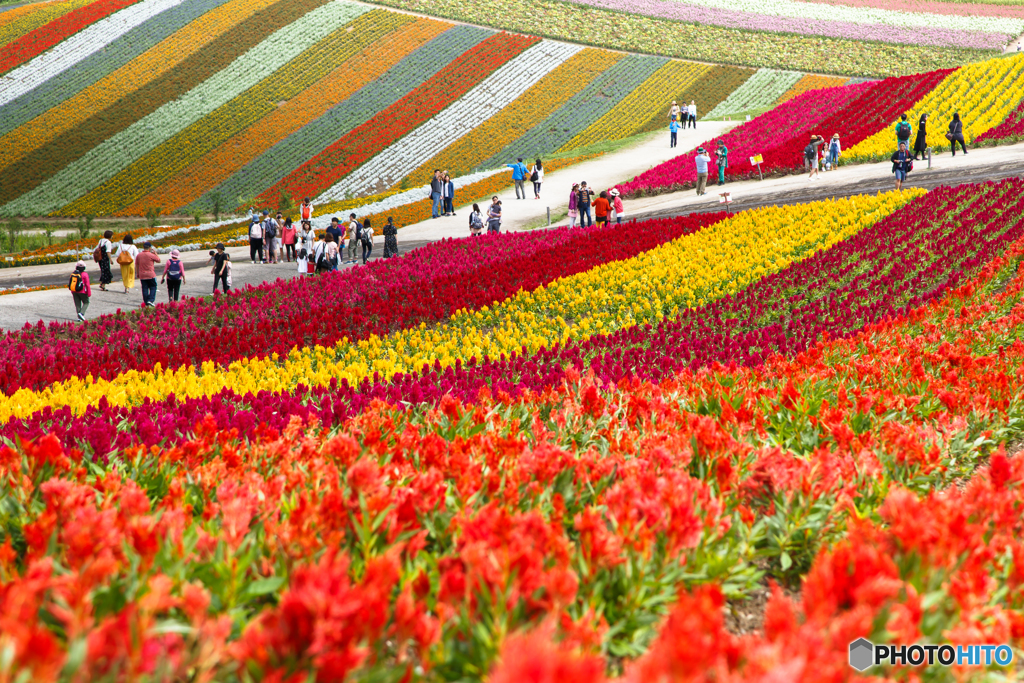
862 654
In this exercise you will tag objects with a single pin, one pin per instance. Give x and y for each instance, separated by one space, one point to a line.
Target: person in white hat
174 275
616 202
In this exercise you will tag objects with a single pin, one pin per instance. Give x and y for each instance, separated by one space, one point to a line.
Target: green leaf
786 561
263 586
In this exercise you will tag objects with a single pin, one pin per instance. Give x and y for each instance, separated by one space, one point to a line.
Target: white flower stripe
761 90
66 54
481 103
112 155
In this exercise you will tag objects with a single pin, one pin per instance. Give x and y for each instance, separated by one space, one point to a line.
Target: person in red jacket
288 239
601 207
81 291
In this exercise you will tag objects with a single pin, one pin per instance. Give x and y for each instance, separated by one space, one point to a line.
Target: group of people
271 240
607 208
819 156
903 161
679 118
520 173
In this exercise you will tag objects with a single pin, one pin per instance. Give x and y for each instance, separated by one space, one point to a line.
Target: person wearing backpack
902 164
537 177
903 130
811 155
476 221
78 283
102 256
306 210
366 237
174 275
256 239
125 258
269 233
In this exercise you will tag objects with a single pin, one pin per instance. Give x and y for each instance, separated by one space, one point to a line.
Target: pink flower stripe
854 112
958 9
750 21
910 258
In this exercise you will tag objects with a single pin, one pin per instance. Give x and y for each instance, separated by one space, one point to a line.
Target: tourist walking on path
903 130
537 176
308 237
673 112
583 205
174 275
435 193
145 264
616 202
335 230
702 160
673 133
354 228
367 240
319 254
573 203
476 221
306 210
494 216
270 233
288 239
104 250
333 248
601 207
518 175
902 164
691 114
390 239
78 283
811 155
448 188
834 150
956 134
256 238
722 160
921 141
126 253
220 268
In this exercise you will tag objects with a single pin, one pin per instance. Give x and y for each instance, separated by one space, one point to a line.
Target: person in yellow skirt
126 253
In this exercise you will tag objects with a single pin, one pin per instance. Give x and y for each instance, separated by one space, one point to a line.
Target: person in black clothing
921 141
956 134
390 239
902 164
583 205
220 269
335 230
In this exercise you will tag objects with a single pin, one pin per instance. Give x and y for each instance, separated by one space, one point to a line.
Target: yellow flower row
177 152
14 23
509 124
983 93
687 272
654 94
145 68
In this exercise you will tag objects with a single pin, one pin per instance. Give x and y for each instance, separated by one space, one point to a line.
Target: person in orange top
601 207
145 264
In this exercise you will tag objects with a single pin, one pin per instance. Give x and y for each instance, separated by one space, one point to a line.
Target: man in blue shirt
518 175
335 229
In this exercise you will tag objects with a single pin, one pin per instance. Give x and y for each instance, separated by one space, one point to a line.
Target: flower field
180 106
988 94
762 38
576 456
